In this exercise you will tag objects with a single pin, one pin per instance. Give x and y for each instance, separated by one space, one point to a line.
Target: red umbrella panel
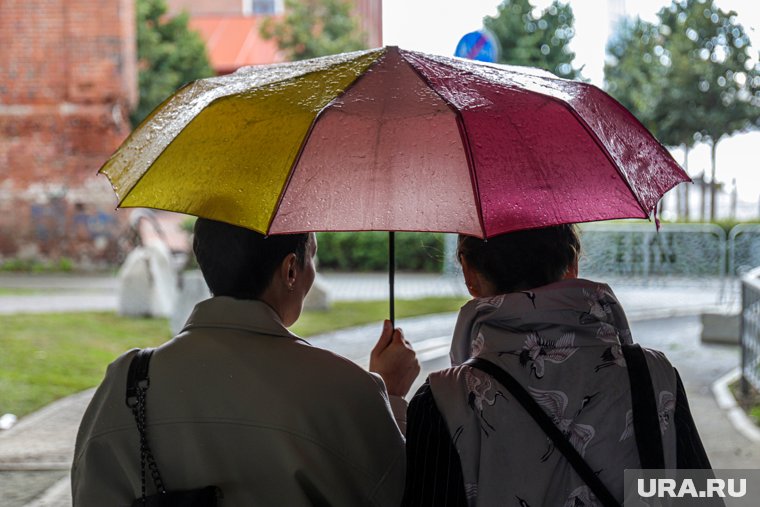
440 144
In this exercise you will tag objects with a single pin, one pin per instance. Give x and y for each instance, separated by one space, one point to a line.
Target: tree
688 78
637 73
633 73
168 54
712 72
312 28
535 41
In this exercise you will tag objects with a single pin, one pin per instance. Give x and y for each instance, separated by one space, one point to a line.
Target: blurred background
80 281
71 90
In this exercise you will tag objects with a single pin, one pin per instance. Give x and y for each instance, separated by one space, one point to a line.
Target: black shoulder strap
138 383
560 441
646 421
138 375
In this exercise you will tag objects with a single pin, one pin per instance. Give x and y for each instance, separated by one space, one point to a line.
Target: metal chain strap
139 411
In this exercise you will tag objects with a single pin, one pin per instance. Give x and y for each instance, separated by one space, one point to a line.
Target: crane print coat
562 342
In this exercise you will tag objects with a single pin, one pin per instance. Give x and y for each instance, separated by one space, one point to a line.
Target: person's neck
273 302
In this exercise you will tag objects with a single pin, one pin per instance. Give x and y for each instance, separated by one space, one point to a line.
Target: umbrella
393 140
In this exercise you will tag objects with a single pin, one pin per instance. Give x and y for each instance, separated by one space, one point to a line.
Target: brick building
67 81
68 77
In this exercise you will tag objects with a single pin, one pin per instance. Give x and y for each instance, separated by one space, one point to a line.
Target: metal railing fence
687 251
750 330
743 248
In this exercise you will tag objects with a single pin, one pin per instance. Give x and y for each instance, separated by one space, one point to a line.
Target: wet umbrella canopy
393 140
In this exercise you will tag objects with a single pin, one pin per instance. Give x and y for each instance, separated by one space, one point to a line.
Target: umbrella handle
392 274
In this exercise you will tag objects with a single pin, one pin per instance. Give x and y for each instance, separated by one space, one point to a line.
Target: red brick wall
67 79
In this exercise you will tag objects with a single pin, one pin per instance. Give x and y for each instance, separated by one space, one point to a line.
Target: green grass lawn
750 403
48 356
20 291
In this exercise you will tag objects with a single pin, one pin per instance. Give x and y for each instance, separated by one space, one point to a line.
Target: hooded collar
567 304
242 314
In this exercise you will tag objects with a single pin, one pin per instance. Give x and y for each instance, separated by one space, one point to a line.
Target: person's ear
288 270
471 278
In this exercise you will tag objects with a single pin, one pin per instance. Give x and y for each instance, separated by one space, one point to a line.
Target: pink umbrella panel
424 143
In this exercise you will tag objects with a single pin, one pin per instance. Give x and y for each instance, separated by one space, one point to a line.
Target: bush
61 265
368 251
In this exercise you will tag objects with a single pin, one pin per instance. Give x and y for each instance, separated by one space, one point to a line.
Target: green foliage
688 78
312 28
712 74
754 413
749 402
169 55
637 74
33 265
368 251
535 41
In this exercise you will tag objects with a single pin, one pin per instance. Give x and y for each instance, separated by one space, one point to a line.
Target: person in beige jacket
239 402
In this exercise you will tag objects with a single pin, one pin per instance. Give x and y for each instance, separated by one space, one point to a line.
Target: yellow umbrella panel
238 135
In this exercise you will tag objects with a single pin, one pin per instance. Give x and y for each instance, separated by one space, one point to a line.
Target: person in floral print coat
470 444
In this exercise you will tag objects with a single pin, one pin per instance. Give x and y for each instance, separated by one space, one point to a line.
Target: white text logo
662 488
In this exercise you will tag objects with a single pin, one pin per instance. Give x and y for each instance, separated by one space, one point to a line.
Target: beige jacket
239 402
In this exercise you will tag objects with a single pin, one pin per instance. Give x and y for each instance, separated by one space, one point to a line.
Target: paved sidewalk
51 293
36 453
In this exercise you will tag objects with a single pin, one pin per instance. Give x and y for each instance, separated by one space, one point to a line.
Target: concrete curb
670 313
734 412
44 413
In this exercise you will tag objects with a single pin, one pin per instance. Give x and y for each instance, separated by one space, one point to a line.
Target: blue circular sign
479 45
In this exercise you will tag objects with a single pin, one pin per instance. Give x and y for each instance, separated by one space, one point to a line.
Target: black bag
203 497
137 387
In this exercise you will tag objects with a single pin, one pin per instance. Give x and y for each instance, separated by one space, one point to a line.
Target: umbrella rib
647 132
131 136
465 142
471 167
604 149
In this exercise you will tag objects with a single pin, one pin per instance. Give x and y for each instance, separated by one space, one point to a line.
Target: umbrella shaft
392 274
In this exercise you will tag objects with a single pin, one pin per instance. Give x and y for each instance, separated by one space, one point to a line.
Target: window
262 7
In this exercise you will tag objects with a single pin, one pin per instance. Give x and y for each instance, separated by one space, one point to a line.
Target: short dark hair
523 260
239 262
